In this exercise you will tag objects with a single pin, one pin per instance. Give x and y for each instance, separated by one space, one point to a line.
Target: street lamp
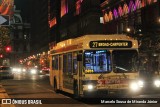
128 29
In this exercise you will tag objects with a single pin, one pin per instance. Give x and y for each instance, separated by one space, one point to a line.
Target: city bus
95 65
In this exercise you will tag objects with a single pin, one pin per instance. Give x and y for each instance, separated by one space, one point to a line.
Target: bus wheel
76 96
55 86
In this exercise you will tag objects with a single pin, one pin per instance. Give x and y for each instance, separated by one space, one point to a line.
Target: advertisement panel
6 7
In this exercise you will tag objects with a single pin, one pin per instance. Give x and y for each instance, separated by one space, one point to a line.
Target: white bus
95 65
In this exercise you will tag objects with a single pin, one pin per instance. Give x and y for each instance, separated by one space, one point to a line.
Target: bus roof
87 38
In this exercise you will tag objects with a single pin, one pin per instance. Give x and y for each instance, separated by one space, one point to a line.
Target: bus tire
76 96
55 86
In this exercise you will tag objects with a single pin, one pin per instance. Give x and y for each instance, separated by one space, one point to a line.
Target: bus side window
69 63
54 62
75 66
64 63
60 59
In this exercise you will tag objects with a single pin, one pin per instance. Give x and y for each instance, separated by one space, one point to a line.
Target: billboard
6 7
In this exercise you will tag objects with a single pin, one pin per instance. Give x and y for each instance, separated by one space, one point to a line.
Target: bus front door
77 71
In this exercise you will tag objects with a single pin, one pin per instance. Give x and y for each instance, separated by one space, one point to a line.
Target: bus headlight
90 87
157 83
134 86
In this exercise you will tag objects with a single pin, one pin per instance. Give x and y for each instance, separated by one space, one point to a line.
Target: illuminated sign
110 44
4 20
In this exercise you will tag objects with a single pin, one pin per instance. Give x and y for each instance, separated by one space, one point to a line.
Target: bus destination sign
110 44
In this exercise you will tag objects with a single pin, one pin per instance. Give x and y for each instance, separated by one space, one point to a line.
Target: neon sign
124 9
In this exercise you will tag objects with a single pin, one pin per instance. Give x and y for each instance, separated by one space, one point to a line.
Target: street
25 86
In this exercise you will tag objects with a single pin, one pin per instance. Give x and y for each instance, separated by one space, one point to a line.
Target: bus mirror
79 57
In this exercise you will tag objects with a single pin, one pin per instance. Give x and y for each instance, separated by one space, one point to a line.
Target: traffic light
8 49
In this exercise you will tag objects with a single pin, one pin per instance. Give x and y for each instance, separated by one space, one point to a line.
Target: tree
4 39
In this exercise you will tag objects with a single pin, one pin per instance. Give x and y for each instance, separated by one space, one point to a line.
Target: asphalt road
37 87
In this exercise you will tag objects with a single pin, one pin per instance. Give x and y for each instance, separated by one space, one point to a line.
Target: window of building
78 7
25 36
102 1
64 7
17 19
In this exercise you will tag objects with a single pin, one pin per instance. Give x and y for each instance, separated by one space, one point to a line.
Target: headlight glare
140 83
157 83
134 86
33 71
90 87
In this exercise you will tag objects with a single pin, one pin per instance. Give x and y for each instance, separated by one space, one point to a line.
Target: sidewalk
3 94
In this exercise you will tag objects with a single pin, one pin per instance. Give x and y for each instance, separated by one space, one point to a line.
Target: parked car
6 72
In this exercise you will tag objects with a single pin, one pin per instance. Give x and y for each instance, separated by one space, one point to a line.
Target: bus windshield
97 61
125 61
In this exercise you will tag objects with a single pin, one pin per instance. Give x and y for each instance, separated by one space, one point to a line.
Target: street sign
4 20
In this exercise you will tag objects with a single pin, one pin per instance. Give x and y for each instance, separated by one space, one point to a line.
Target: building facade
39 25
137 18
20 38
73 18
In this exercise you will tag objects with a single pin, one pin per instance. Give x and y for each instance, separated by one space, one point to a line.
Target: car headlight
90 87
157 83
140 83
24 70
33 71
16 70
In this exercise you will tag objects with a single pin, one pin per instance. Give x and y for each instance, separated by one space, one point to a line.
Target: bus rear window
97 61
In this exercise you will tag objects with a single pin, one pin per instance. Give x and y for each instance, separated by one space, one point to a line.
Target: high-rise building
36 13
39 25
20 38
73 18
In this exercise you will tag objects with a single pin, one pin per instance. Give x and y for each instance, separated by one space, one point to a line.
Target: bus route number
94 44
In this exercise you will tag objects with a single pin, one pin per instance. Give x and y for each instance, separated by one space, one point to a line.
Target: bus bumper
110 93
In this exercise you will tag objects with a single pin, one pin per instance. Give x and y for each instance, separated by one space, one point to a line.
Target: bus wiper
121 68
124 75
